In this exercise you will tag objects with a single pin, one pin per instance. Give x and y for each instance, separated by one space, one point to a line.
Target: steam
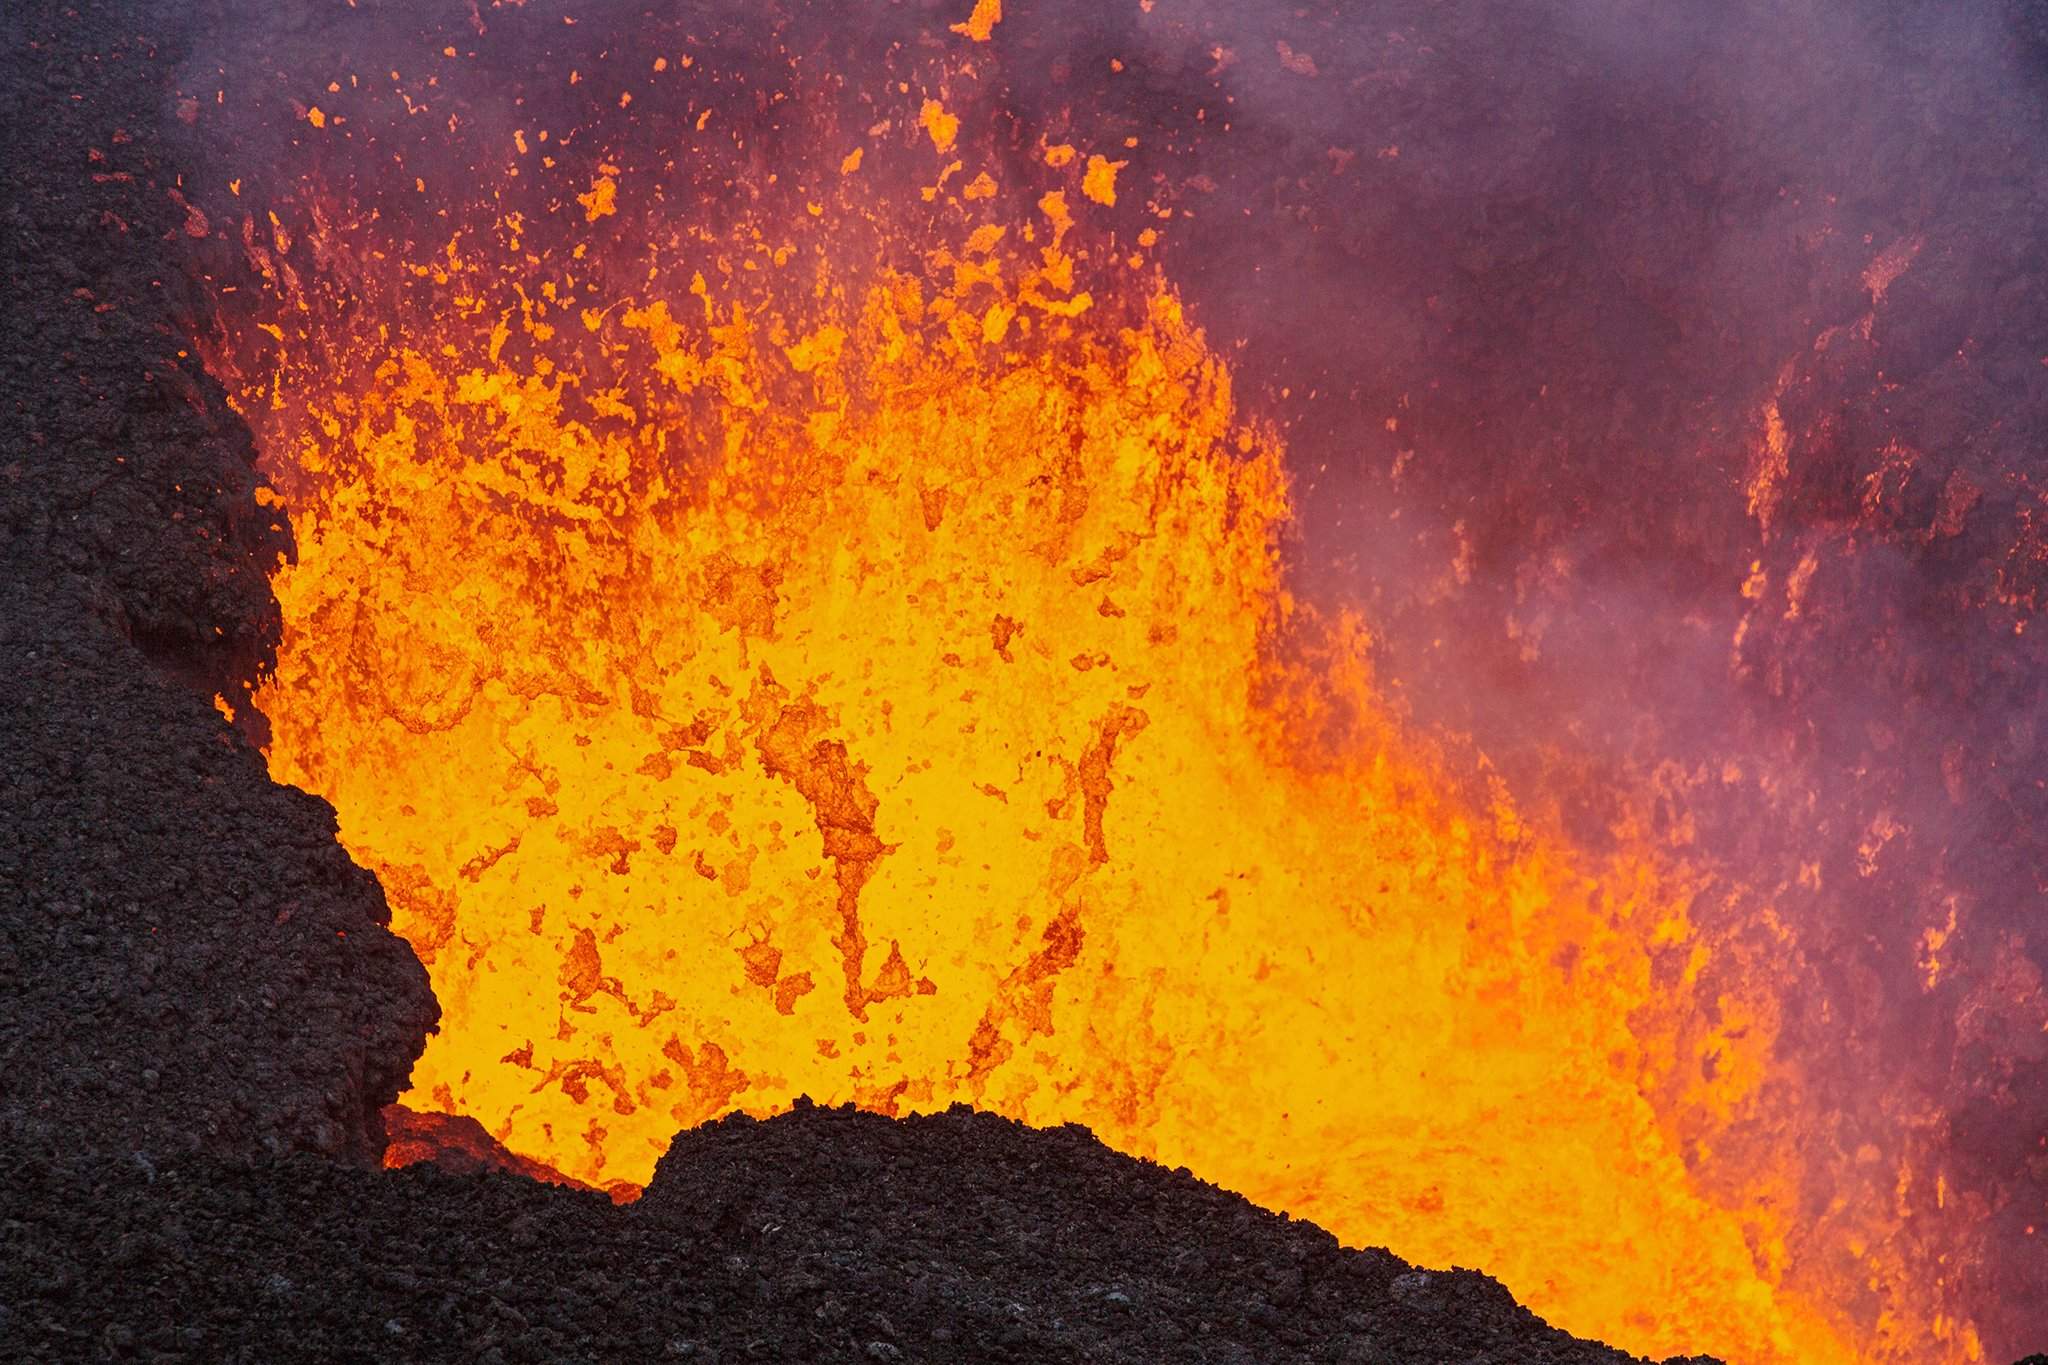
1609 231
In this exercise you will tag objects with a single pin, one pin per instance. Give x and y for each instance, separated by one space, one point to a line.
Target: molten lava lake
801 588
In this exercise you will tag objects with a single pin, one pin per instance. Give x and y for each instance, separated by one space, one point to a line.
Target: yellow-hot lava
845 651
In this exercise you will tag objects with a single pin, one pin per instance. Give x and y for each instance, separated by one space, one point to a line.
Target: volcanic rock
817 1235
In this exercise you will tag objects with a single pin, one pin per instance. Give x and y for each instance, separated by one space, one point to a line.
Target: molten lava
813 621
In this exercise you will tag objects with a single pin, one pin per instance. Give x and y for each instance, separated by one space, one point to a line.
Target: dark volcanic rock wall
189 958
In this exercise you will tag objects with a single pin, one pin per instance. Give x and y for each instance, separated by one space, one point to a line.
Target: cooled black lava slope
820 1235
190 960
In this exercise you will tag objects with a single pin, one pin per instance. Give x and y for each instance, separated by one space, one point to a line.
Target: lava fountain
789 602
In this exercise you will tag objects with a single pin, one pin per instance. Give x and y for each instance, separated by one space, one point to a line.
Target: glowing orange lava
841 647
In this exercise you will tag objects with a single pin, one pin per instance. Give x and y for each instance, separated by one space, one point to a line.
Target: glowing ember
823 631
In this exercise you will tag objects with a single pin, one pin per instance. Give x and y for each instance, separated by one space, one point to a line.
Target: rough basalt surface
190 959
822 1235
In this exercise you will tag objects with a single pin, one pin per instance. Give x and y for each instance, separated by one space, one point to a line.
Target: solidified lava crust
818 1235
191 959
